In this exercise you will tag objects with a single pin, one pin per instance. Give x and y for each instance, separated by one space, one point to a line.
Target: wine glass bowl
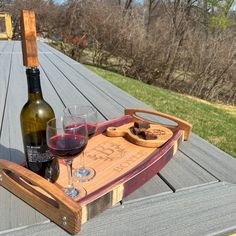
84 173
88 112
66 138
67 146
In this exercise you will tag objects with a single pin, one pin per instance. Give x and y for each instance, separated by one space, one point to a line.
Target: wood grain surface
162 133
28 34
207 210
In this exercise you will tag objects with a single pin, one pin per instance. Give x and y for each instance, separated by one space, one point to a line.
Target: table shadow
11 154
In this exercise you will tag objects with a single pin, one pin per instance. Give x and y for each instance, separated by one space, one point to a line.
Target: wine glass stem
69 172
82 161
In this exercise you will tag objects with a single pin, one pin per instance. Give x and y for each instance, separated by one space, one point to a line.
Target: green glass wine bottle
34 117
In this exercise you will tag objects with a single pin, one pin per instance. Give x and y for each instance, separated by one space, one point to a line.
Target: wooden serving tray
121 168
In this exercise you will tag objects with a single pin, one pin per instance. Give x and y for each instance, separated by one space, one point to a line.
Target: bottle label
38 153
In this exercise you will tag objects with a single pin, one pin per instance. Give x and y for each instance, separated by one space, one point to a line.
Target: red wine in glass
91 129
90 126
66 138
84 173
67 146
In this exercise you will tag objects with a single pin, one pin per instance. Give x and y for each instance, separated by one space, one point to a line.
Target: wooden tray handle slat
60 208
181 124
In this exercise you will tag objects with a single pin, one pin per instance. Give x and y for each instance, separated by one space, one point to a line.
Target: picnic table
194 194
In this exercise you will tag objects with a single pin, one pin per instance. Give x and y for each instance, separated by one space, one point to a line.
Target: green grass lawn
213 122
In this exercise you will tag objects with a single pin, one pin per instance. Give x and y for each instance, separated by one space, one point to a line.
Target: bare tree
169 43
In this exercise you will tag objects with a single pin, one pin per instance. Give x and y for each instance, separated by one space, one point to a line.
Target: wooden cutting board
162 133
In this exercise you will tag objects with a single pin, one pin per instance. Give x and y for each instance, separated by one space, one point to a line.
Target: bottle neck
33 81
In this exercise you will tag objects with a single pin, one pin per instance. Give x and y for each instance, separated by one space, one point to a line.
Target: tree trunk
147 12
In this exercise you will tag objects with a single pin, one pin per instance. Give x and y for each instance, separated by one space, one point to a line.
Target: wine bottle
34 116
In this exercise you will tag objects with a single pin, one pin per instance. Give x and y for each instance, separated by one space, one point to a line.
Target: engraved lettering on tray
129 161
112 152
106 151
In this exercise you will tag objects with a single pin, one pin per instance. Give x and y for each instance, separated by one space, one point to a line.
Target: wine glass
67 137
84 173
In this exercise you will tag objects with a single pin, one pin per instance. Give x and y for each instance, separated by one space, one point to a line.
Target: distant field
213 122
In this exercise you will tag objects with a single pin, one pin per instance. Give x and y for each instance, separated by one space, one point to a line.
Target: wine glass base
84 174
75 192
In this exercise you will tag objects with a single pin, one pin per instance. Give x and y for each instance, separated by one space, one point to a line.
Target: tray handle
181 124
51 202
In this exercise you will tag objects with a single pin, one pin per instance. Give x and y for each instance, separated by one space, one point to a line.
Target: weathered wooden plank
182 173
68 93
11 141
111 90
207 210
3 44
5 62
214 160
105 104
16 214
50 95
16 97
